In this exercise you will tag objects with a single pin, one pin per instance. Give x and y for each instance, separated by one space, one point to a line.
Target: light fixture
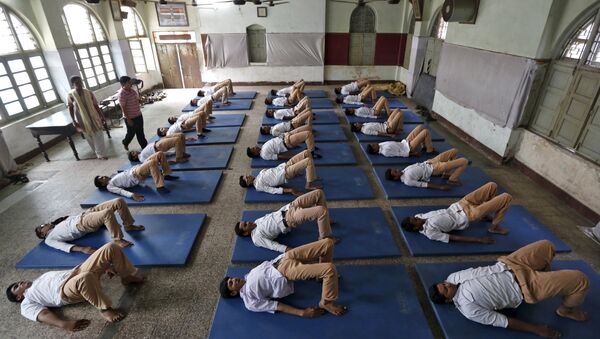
194 3
92 1
163 2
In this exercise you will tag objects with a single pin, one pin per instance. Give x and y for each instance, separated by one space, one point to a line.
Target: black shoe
171 177
316 155
273 92
163 190
201 136
125 145
205 130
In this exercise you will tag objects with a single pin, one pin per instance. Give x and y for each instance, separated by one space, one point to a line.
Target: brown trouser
176 140
296 264
363 82
303 118
225 83
484 201
419 136
104 214
299 85
395 122
199 119
83 284
446 163
295 96
221 95
368 93
299 135
156 165
302 105
310 206
299 162
382 103
530 265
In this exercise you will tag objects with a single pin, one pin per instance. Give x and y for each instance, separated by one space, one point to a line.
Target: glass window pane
97 29
89 73
83 53
135 44
148 54
92 82
8 44
86 63
96 61
45 85
106 58
26 39
49 96
21 78
5 82
78 22
14 108
104 49
26 90
137 53
8 95
2 69
36 61
101 78
93 51
16 65
32 102
140 68
109 67
112 76
99 70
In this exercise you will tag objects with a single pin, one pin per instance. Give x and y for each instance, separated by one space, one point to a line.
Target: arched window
90 45
362 36
440 27
576 45
408 48
140 46
257 43
25 85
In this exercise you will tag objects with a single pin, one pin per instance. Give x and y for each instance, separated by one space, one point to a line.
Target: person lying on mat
366 94
445 164
81 284
371 113
477 205
289 113
288 90
299 120
392 127
353 87
275 279
156 165
308 206
59 232
416 140
288 100
186 122
270 180
220 95
210 90
522 276
272 149
164 144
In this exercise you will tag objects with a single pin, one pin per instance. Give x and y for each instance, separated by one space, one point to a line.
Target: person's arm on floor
309 312
50 318
285 157
292 190
83 249
464 238
541 330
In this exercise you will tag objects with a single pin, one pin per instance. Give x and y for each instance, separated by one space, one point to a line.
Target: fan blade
346 2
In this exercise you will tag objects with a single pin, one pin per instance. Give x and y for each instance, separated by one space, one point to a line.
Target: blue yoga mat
213 157
410 117
385 94
235 105
524 229
339 183
240 95
378 159
316 103
217 135
192 187
472 178
227 120
320 118
456 326
333 154
364 226
393 102
311 93
166 241
322 133
407 129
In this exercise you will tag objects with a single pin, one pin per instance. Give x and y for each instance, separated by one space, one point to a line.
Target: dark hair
263 130
243 182
239 231
249 153
371 149
435 295
200 93
172 120
194 102
132 156
74 78
38 232
224 289
337 90
268 100
273 92
160 133
124 79
269 113
98 183
354 127
10 295
388 174
349 111
408 226
339 100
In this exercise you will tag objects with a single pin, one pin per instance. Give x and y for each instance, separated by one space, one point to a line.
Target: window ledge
258 64
48 111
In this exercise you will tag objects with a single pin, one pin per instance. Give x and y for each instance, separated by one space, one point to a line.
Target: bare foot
333 308
112 316
572 313
123 243
496 229
135 228
133 279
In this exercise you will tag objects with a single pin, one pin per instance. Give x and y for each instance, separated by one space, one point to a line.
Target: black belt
283 140
283 213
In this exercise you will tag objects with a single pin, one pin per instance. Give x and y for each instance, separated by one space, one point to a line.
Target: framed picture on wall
261 12
417 6
172 14
115 9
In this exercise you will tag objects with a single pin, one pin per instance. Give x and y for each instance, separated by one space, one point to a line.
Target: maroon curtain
337 48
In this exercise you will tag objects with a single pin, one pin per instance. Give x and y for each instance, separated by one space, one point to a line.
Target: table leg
73 147
41 146
107 130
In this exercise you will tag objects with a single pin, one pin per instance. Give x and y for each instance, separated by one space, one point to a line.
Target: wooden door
190 68
589 143
169 65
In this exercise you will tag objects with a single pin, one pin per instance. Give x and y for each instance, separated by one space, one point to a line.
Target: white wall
389 18
266 74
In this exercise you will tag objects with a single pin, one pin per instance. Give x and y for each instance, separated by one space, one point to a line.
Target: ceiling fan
364 2
270 3
193 3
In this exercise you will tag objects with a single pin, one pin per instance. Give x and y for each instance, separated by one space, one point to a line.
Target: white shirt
282 113
483 290
287 90
271 149
147 152
63 232
349 88
263 284
417 175
185 116
269 228
281 128
280 101
394 148
353 99
203 100
208 90
365 112
122 180
439 223
43 293
374 128
269 180
175 128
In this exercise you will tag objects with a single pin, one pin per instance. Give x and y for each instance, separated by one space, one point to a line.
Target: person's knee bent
330 270
463 162
506 197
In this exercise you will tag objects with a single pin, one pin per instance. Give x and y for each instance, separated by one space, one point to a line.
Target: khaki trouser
225 83
310 206
295 96
531 263
156 165
484 201
382 103
299 85
83 284
446 163
368 92
104 214
299 162
296 265
395 122
302 105
363 82
299 135
419 136
306 117
199 119
221 95
176 140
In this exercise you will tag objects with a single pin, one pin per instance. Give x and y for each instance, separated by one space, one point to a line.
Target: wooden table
58 123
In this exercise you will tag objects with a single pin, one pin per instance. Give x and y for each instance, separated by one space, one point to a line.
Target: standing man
130 105
87 116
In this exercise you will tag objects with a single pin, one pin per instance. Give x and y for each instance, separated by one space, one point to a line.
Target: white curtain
295 49
226 50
